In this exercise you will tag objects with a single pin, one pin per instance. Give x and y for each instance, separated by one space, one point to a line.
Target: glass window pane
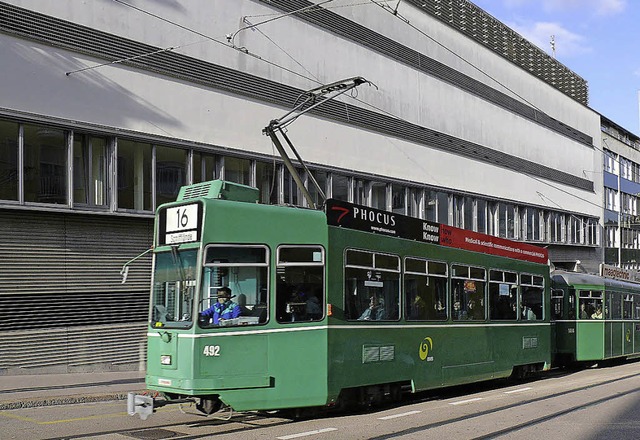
267 183
134 175
481 207
171 173
45 165
9 160
300 284
443 208
378 195
237 170
89 170
204 167
398 199
321 178
340 187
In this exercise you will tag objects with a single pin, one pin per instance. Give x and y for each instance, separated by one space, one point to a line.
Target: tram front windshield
174 285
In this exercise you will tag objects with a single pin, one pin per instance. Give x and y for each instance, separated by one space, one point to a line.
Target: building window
361 192
204 167
171 173
9 132
340 187
321 178
45 165
531 224
507 220
266 182
237 170
89 170
134 175
291 192
398 199
379 195
481 215
414 205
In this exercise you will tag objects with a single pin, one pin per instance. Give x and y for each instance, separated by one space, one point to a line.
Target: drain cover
150 434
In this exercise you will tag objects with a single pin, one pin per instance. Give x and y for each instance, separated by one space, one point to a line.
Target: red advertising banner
488 244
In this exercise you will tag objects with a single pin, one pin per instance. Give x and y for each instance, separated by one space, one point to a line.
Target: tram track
533 422
205 427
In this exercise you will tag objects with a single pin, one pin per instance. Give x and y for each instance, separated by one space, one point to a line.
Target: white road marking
304 434
518 390
462 402
410 413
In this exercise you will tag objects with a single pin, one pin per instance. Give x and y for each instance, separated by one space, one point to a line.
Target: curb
63 400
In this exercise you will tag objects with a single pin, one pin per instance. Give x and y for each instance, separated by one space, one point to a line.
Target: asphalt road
595 403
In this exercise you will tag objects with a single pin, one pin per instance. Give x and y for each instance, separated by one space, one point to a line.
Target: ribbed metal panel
491 33
62 269
69 348
50 30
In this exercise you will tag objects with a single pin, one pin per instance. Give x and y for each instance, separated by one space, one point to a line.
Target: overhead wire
315 80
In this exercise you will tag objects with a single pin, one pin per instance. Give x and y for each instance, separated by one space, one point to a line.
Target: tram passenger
375 311
314 310
223 309
598 313
528 314
583 311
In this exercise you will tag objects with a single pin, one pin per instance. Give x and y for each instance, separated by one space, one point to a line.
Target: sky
597 39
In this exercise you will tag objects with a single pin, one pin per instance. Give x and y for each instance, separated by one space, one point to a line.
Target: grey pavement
25 391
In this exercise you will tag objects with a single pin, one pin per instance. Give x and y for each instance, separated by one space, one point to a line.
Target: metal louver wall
60 273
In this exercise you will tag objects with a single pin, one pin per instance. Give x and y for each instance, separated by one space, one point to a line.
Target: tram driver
223 309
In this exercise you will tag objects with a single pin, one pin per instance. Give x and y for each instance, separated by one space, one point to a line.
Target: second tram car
352 304
596 318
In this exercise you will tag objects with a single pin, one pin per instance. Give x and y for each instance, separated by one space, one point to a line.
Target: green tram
346 305
596 318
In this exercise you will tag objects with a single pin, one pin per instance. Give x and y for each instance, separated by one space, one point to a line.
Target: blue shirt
227 310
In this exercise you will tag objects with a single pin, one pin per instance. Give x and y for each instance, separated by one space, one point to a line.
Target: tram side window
300 284
503 295
173 289
425 290
467 292
532 301
242 269
372 286
589 304
627 307
557 304
613 306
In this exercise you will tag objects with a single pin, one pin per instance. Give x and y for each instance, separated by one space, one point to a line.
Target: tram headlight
165 359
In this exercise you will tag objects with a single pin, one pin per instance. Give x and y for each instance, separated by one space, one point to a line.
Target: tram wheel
208 405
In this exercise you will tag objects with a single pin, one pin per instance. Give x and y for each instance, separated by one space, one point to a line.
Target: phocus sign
363 218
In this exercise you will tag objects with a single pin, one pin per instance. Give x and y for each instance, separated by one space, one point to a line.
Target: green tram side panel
257 367
434 353
594 340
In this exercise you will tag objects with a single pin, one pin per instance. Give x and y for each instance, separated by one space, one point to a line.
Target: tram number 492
211 350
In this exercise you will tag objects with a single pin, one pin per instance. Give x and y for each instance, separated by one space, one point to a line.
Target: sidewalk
58 389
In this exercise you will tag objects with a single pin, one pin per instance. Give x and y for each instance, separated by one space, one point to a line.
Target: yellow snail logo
425 347
628 336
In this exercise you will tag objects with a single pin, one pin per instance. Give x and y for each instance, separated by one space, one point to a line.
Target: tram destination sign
180 224
363 218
